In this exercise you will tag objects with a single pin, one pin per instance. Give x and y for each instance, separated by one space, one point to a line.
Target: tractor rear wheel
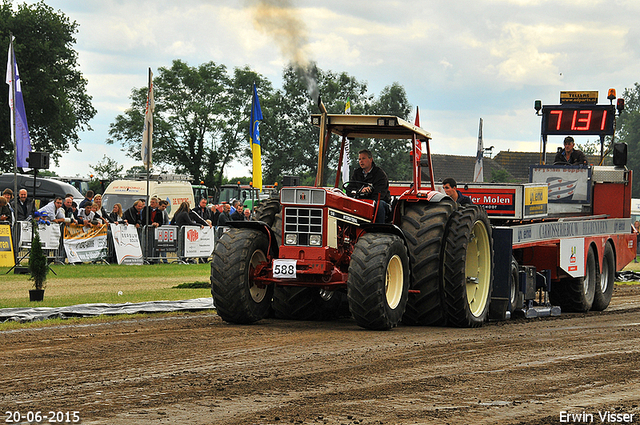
378 283
236 297
468 267
277 228
424 226
268 209
300 303
604 288
577 294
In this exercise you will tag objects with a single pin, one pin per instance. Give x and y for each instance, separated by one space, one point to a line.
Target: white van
635 209
126 192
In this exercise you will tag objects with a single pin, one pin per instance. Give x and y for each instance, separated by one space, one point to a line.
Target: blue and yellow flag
254 137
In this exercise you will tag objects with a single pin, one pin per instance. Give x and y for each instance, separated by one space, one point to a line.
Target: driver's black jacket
377 177
576 158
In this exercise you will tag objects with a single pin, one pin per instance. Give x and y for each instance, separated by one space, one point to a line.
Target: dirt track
198 369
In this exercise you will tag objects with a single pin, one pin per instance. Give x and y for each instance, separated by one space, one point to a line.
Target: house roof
459 167
516 164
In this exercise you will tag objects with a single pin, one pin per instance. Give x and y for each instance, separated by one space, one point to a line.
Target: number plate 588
284 269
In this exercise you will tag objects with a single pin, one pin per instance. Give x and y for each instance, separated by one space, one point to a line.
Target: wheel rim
604 275
394 281
585 282
513 288
257 293
478 269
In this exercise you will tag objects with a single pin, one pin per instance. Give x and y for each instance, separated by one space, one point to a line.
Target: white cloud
458 61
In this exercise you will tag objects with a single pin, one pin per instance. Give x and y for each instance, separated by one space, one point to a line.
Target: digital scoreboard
578 119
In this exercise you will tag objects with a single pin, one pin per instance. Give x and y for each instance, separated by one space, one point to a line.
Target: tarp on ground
627 276
90 310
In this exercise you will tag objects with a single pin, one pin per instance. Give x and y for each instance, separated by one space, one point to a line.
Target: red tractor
316 250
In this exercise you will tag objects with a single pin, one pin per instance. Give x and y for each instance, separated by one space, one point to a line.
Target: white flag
479 170
345 155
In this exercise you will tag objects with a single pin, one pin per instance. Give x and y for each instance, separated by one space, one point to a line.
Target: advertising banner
535 200
49 235
496 201
85 243
6 247
166 238
572 256
126 244
198 242
567 184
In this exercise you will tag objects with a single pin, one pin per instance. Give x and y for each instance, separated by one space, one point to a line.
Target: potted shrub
38 267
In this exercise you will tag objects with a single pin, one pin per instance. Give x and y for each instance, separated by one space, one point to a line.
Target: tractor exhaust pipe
322 151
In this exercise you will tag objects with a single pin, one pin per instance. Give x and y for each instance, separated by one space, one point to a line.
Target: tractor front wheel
378 283
236 258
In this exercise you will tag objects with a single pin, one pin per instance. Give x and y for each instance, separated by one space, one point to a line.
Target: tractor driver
378 183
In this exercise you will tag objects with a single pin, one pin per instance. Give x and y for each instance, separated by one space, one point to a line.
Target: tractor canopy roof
371 126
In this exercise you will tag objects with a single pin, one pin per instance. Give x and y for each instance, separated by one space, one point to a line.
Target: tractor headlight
315 240
291 239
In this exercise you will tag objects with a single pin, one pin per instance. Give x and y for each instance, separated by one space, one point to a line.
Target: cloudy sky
459 61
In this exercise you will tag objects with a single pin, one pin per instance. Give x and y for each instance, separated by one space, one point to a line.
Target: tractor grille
304 222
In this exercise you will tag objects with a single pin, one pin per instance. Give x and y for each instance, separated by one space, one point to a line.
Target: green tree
201 119
501 176
234 138
107 169
289 141
135 170
56 101
393 155
629 131
589 147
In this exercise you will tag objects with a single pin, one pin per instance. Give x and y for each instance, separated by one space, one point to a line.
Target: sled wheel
604 288
576 294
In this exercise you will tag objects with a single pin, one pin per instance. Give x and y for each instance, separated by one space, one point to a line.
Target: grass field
100 283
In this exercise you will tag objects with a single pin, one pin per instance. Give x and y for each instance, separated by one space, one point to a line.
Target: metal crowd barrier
162 244
22 244
177 244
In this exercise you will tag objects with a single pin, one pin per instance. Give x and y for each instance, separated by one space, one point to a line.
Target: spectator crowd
91 212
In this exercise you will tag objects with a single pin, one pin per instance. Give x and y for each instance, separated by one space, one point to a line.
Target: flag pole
148 157
253 103
12 60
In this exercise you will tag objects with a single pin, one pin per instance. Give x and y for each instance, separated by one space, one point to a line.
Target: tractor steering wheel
358 193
